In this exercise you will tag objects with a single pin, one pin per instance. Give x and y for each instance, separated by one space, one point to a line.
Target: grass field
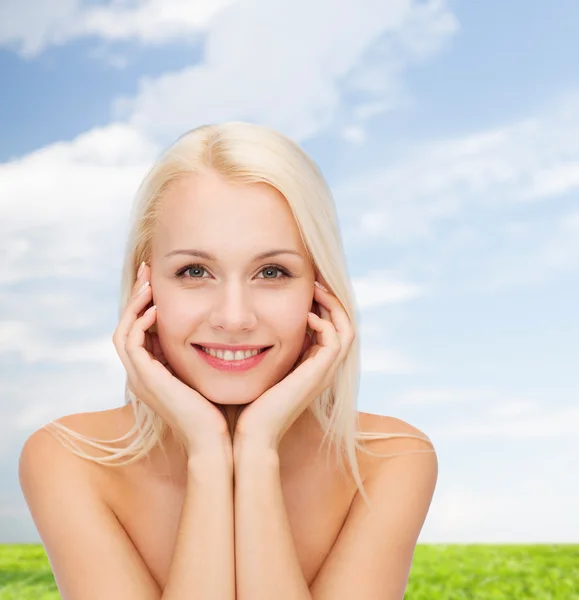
439 572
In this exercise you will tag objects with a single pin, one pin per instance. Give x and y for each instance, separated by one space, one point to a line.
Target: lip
233 348
232 365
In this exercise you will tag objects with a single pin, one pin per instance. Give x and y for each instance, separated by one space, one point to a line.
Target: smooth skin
197 421
239 424
236 298
266 419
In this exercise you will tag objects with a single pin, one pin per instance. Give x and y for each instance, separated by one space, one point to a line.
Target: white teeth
229 355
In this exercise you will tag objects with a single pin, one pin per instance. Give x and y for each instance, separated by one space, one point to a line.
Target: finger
153 378
326 334
331 309
135 344
344 332
135 306
143 279
144 364
132 312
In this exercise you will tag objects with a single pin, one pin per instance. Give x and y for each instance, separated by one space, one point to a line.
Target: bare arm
267 562
203 564
90 553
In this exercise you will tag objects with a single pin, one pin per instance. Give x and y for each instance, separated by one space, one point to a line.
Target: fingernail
320 286
141 269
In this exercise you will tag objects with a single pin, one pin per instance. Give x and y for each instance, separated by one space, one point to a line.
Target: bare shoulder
45 445
408 438
109 422
90 553
115 428
373 423
381 541
49 444
96 424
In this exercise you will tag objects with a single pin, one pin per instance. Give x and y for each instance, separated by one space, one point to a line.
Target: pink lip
232 365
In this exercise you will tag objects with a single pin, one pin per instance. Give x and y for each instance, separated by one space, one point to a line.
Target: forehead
209 211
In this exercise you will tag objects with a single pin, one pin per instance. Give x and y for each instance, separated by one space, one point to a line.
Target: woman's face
234 298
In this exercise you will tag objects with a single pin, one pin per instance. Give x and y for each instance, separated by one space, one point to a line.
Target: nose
233 310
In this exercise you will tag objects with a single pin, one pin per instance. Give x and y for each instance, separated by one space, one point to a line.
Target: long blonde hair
247 153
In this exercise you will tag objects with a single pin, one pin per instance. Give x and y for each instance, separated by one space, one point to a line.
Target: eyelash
180 274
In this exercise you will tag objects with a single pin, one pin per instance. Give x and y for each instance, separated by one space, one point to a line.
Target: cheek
290 319
176 315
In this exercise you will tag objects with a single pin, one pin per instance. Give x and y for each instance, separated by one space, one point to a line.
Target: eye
284 272
180 274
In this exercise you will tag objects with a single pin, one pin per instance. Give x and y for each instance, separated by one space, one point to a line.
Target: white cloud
354 134
82 178
24 343
263 60
554 181
437 180
151 22
476 187
57 22
254 70
62 205
379 287
29 36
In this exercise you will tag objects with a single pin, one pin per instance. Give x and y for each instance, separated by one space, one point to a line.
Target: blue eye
180 274
284 272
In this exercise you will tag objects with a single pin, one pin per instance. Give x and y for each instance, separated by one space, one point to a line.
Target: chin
229 392
230 398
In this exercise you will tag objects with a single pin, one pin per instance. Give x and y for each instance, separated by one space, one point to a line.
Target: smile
232 361
230 355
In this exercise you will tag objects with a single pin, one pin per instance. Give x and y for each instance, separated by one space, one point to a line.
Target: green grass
439 572
494 572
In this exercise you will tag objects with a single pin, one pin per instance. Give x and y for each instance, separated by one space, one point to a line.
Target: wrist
252 450
212 457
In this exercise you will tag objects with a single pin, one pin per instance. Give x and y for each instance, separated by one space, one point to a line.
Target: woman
225 492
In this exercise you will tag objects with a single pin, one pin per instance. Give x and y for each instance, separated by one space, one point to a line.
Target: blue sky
449 134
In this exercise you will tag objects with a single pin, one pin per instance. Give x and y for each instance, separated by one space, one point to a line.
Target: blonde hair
248 153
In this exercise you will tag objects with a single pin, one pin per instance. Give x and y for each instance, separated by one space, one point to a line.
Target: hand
199 422
266 420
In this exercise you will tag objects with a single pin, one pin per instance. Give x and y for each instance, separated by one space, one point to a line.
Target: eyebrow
208 256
